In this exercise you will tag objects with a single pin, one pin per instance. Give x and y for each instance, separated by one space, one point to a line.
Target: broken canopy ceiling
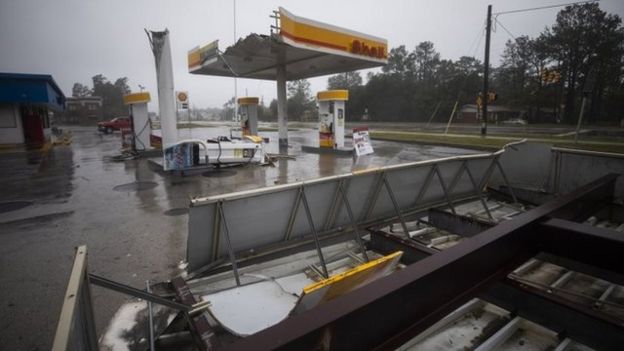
305 47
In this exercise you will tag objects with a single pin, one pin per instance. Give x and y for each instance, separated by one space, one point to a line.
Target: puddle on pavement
218 173
135 186
176 211
13 205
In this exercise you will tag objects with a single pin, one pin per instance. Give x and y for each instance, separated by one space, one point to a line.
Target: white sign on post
182 99
361 141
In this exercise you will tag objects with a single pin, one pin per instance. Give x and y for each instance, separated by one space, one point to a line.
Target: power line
478 37
504 28
545 7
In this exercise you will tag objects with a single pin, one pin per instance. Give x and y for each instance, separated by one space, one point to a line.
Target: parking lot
131 216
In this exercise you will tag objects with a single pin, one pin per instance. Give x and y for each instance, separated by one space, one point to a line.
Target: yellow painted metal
197 55
320 34
329 95
346 281
136 98
248 100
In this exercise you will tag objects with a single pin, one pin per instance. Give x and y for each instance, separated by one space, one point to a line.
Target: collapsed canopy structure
301 48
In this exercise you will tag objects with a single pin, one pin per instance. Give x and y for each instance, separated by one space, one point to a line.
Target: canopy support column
282 117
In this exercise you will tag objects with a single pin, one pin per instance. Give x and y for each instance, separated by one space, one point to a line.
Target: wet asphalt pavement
53 201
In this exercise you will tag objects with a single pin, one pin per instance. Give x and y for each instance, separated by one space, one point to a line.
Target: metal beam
142 294
597 247
409 300
385 243
457 224
204 335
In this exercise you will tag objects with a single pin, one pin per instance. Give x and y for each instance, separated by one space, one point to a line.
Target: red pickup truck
114 124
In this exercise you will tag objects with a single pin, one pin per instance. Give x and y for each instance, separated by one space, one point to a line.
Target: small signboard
182 99
361 141
178 157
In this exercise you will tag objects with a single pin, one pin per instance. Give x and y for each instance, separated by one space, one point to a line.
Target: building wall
11 130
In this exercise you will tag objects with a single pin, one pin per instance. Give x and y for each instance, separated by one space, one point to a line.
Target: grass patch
492 142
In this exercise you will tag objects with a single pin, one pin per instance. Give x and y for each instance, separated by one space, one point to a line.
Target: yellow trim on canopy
332 95
136 98
310 32
248 101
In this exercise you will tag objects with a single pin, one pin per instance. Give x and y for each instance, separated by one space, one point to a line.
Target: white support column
282 116
164 76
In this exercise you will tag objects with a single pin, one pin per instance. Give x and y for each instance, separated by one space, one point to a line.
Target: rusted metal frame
203 334
319 250
231 253
77 310
395 204
333 208
415 297
582 323
457 224
425 186
293 216
479 192
358 238
444 189
372 199
502 173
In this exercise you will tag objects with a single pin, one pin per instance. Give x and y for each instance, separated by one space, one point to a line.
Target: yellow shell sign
301 31
182 96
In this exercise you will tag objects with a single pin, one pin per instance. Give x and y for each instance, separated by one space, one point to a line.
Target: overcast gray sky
76 39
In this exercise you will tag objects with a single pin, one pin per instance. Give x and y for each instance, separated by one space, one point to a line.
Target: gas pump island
297 48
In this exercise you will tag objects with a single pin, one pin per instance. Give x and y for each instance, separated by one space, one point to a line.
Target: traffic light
550 75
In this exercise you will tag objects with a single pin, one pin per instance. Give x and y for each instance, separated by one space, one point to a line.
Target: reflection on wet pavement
132 217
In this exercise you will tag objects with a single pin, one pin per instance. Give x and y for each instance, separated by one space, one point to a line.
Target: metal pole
314 233
395 203
151 317
580 119
358 238
448 125
282 117
446 193
478 192
435 111
486 70
229 244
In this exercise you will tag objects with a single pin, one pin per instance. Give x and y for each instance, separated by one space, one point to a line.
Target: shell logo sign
182 96
361 48
182 99
307 33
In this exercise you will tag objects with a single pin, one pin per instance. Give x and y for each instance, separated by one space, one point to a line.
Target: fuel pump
332 118
248 114
138 137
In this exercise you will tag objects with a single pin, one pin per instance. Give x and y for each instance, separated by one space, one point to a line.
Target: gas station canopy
306 49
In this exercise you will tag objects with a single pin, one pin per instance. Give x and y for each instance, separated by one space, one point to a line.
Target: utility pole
486 70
